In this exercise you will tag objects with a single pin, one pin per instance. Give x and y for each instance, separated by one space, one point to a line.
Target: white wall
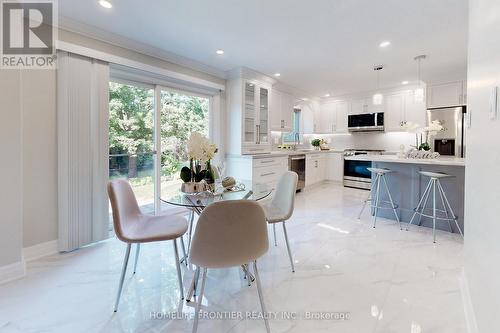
38 95
482 192
10 168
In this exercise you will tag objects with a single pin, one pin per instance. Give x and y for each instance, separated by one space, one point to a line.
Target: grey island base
407 186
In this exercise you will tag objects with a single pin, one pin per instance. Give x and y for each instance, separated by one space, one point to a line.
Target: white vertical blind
82 111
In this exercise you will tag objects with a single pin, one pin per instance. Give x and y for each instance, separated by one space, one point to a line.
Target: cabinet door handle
267 174
266 161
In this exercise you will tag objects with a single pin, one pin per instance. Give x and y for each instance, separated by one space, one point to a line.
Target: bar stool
380 204
435 183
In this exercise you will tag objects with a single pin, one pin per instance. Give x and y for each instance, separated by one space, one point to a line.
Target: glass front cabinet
248 121
255 132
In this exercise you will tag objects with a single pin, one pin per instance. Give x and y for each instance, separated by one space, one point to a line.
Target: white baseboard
40 250
470 316
12 272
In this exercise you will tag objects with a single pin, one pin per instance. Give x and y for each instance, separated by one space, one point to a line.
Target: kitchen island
407 185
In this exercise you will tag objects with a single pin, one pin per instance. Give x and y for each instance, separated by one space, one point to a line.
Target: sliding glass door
180 115
131 139
146 119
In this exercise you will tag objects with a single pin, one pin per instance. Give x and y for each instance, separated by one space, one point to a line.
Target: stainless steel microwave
365 122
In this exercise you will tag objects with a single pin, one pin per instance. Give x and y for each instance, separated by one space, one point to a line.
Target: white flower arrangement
199 148
427 131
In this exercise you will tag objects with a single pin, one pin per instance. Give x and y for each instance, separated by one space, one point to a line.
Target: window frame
158 87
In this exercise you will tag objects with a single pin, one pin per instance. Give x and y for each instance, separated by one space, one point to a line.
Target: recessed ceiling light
385 43
277 74
327 95
220 52
106 4
404 83
305 99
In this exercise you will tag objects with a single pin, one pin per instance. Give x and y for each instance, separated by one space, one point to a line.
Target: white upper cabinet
333 117
327 117
394 112
311 116
281 112
358 106
414 112
447 94
275 111
401 108
342 109
249 125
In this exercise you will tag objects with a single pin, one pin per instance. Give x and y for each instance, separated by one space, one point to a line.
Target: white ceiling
319 46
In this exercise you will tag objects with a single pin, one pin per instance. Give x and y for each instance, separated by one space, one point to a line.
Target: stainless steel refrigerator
451 140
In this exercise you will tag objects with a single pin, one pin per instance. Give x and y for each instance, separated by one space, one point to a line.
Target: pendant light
419 93
378 98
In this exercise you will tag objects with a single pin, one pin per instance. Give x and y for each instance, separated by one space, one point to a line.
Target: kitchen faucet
296 140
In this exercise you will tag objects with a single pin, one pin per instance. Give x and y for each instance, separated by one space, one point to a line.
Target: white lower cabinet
262 172
315 168
335 167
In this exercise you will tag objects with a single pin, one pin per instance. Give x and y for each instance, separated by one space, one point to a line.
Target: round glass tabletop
203 199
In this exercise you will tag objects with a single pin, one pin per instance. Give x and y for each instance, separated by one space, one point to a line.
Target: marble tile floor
349 278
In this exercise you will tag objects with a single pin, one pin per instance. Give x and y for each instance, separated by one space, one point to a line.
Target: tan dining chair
228 234
133 227
281 206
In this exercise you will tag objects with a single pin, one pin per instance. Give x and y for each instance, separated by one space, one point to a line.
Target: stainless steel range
356 173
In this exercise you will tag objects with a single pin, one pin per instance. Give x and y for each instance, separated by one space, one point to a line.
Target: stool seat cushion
434 174
379 170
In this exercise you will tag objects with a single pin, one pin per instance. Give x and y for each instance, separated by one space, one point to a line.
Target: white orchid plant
424 133
200 152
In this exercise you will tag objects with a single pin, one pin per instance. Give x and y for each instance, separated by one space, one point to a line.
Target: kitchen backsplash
389 141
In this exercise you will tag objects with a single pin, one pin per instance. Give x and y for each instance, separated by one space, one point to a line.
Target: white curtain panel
82 125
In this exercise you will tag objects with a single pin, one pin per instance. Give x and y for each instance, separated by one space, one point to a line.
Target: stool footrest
386 204
428 213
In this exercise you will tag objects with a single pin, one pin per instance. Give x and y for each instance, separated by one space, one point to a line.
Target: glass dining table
196 202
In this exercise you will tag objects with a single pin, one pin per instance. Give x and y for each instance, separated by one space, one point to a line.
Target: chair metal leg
392 203
191 220
194 283
368 198
419 204
274 232
247 275
449 206
184 254
376 202
137 250
200 299
434 211
178 266
288 247
122 277
261 296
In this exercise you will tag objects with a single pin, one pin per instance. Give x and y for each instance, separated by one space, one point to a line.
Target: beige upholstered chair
280 208
229 233
131 226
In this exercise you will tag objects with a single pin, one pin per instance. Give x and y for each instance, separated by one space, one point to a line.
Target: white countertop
452 161
276 153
